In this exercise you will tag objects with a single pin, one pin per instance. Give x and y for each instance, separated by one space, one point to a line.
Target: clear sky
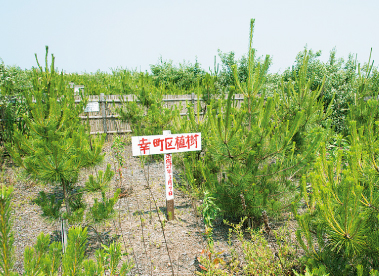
91 35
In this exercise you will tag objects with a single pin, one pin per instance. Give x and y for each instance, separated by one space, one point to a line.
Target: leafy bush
341 83
13 80
185 76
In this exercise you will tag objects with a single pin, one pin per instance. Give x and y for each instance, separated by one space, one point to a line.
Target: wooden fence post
104 114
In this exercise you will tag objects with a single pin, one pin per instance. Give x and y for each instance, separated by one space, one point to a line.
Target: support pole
64 230
64 234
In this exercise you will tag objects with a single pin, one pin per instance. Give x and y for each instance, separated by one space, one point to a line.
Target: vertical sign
169 182
166 144
168 176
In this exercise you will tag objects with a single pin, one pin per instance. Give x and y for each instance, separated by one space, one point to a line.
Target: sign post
166 144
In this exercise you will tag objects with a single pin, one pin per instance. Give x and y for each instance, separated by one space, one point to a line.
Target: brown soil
136 224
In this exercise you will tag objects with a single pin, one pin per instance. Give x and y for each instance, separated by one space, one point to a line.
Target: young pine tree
251 155
340 228
58 145
6 233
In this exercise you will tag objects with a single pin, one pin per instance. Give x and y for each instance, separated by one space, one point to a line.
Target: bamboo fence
106 120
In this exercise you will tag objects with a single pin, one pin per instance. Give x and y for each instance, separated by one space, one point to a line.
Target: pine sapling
6 234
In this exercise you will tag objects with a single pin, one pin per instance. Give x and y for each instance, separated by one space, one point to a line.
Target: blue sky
90 35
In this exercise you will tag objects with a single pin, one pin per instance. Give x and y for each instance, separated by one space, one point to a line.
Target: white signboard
166 144
172 143
92 107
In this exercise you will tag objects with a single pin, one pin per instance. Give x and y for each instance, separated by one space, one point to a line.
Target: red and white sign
159 144
167 143
168 176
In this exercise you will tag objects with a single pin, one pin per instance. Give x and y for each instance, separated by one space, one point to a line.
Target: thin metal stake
64 234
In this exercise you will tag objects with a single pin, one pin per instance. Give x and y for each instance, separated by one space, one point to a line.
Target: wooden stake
170 209
103 107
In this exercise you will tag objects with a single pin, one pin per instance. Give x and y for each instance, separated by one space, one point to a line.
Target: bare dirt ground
136 224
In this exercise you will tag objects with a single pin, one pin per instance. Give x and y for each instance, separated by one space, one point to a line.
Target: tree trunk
65 195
